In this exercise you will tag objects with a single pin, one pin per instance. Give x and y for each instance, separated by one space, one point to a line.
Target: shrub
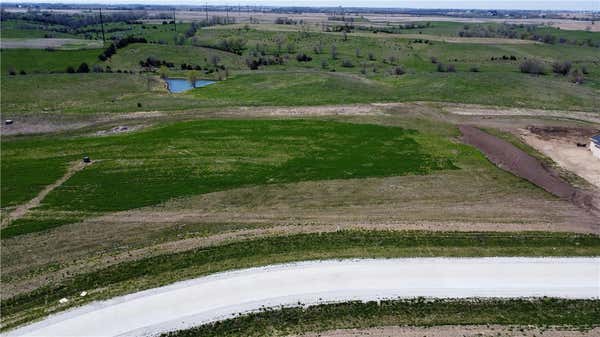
83 68
371 57
441 68
451 68
301 57
12 71
398 71
233 44
434 60
562 68
577 76
139 105
474 69
70 70
532 67
22 72
347 63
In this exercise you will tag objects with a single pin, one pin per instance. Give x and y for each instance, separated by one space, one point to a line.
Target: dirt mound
564 133
518 162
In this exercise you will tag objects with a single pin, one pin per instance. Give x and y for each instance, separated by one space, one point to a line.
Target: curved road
219 296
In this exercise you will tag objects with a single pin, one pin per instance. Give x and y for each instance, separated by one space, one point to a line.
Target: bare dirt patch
456 331
568 147
50 43
516 161
478 110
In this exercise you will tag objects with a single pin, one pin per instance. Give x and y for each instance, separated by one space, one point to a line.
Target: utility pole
102 25
206 10
174 22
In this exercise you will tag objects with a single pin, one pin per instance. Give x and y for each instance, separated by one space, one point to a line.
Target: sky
464 4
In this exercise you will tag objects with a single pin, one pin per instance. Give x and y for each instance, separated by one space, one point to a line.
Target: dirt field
516 161
560 144
456 331
50 43
478 110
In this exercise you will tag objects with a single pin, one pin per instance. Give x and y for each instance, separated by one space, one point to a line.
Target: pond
177 85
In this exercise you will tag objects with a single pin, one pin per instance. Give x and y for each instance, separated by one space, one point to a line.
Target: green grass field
43 61
184 159
164 269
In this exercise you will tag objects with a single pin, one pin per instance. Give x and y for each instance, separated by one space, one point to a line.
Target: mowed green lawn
183 159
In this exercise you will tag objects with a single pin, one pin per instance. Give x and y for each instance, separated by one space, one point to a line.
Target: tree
334 54
83 68
192 77
562 68
163 72
70 70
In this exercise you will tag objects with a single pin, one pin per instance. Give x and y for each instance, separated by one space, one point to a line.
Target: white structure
595 146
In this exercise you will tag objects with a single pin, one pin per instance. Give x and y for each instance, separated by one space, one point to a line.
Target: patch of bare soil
456 331
516 161
477 110
21 210
568 147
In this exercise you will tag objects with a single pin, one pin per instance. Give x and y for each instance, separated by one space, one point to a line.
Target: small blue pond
177 85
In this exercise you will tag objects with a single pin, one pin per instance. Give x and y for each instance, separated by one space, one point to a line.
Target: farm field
323 137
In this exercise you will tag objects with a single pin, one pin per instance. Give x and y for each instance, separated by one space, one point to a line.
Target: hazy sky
501 4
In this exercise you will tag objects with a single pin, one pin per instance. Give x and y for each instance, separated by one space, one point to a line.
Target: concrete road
220 296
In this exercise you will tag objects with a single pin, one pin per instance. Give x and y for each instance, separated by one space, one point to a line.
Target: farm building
595 145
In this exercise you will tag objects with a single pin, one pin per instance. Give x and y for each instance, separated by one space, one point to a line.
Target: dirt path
480 110
21 210
516 161
216 297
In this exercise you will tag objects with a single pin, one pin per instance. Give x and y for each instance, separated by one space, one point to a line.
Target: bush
532 67
233 44
22 72
434 60
451 68
371 57
398 71
441 68
577 76
562 68
83 68
347 63
301 57
70 70
12 71
474 69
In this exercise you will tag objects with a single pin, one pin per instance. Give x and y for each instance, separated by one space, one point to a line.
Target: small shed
595 145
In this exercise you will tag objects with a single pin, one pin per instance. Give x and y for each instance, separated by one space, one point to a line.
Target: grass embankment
582 314
164 269
190 158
